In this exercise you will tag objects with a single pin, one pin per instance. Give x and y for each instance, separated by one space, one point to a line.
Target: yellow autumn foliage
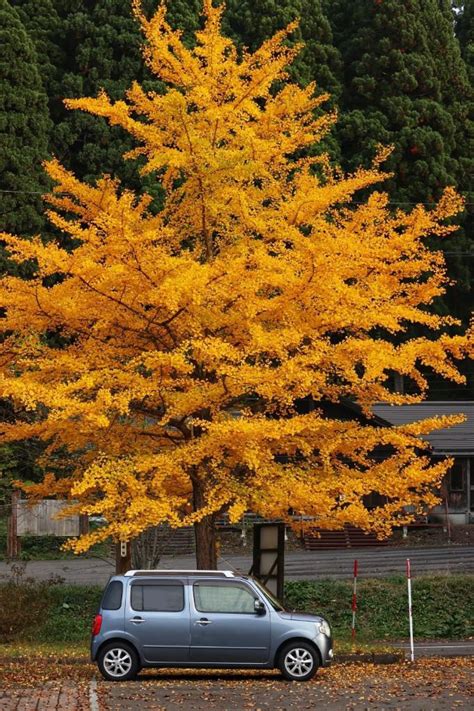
187 336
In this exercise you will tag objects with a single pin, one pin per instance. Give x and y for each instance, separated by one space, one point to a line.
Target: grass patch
54 650
443 606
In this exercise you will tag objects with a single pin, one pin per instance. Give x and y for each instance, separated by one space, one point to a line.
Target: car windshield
274 602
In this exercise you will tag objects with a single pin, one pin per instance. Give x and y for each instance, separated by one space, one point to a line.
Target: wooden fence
40 520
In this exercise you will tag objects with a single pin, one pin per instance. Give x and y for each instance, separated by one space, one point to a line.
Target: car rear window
157 597
112 599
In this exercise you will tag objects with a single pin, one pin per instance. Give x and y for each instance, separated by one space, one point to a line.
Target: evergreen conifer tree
89 45
251 22
405 84
465 34
42 23
100 45
24 129
392 93
458 99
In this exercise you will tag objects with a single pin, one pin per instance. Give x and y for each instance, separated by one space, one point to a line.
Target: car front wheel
298 661
118 662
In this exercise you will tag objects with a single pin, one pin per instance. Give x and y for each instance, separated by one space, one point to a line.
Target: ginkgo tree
165 352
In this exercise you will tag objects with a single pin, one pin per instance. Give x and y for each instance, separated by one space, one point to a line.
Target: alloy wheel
298 662
117 662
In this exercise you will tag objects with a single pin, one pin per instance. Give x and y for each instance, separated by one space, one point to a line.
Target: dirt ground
435 536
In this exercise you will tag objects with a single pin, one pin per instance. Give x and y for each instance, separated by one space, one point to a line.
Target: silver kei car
189 618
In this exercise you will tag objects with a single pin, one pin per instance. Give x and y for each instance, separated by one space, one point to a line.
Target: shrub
70 614
24 603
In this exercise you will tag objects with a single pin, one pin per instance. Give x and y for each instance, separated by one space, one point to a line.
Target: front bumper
325 649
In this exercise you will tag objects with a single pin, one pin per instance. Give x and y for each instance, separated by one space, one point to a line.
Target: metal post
445 495
354 601
410 612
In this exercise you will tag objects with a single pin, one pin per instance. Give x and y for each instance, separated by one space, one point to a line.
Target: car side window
112 599
157 597
224 597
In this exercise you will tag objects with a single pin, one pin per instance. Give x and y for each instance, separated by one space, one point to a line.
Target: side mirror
259 607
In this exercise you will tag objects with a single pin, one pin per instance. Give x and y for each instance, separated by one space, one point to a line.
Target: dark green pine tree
465 34
393 94
405 84
251 22
101 48
182 14
97 46
41 21
458 98
24 129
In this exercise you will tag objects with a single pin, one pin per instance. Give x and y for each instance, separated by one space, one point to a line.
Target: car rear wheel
298 661
118 661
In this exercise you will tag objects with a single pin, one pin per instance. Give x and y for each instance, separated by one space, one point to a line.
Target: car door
157 615
225 628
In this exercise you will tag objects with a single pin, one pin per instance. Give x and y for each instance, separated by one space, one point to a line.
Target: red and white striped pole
410 612
354 601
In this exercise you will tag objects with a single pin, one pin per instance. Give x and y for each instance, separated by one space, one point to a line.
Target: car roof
194 573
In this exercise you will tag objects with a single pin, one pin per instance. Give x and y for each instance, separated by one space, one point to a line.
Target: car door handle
137 620
203 621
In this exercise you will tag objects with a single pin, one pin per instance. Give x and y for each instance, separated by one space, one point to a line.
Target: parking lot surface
427 685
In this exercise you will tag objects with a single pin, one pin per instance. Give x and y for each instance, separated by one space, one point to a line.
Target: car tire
118 661
298 661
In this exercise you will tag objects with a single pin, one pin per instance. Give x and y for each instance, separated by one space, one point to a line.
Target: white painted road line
93 698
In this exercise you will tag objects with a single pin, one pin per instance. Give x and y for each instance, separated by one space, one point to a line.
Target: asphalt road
299 565
399 687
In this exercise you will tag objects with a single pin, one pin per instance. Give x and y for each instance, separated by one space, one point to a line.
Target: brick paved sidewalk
61 696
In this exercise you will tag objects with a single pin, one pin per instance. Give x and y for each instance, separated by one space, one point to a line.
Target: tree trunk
123 562
205 533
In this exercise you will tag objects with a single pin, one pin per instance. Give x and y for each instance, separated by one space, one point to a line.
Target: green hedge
442 606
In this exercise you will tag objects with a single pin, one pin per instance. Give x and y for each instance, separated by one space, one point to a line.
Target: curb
370 658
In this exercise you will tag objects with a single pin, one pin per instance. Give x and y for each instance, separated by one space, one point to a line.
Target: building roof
456 440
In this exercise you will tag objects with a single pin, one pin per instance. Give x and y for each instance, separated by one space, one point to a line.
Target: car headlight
323 628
